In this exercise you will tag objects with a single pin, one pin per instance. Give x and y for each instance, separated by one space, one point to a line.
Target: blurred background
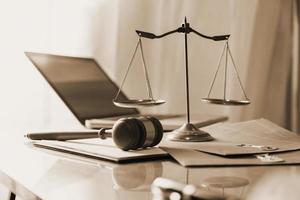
264 42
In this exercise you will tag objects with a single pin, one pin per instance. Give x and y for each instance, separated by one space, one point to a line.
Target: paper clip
261 147
269 158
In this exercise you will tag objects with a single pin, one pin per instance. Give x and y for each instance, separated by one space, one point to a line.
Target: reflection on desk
60 176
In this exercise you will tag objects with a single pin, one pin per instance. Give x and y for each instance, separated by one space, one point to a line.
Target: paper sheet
192 158
102 149
254 132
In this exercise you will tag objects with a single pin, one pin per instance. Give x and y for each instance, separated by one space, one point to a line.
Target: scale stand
187 132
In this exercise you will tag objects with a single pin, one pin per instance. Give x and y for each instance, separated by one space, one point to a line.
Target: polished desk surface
35 174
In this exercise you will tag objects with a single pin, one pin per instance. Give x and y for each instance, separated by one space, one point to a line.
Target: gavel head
135 133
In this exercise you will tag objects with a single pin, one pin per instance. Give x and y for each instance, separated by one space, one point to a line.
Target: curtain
269 65
264 42
294 109
261 42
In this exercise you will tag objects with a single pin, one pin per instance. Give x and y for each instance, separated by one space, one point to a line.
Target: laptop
88 92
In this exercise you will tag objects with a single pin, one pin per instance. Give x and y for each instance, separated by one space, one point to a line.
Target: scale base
189 133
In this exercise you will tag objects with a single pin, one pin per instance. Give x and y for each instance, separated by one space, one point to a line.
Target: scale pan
226 101
138 103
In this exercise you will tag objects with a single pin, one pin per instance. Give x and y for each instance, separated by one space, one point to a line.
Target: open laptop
88 92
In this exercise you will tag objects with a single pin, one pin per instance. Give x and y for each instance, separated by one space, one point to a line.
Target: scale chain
128 68
146 71
215 76
228 51
238 76
226 69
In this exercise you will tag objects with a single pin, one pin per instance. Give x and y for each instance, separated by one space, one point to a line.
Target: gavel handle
102 133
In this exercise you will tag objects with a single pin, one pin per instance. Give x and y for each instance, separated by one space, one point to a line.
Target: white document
101 149
250 137
189 158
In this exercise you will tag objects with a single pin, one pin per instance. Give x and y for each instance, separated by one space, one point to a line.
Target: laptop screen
81 84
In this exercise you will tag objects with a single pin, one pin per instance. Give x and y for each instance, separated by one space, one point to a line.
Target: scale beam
185 28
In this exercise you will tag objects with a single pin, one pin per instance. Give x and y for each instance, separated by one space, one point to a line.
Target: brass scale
187 132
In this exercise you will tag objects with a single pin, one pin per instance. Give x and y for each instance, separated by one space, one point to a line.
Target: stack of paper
239 144
99 149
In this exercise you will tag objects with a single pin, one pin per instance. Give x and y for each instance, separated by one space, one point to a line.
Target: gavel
127 133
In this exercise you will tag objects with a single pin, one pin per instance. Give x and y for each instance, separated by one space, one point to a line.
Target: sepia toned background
264 42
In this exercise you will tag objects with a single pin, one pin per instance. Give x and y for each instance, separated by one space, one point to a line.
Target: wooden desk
33 174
